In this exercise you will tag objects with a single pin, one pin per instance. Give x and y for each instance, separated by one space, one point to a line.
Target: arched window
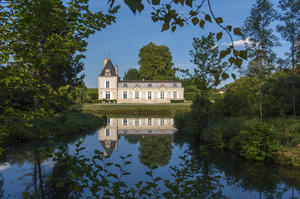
174 85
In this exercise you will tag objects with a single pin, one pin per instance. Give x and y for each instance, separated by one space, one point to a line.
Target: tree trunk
293 79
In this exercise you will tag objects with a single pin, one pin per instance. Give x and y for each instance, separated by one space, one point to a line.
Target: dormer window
107 72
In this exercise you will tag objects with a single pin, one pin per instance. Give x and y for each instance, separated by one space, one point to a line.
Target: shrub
177 101
104 101
256 141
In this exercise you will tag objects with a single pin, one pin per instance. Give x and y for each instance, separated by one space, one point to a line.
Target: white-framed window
107 132
107 95
149 85
108 121
174 94
125 85
162 121
162 95
136 95
174 85
149 121
125 121
137 121
149 95
125 95
107 84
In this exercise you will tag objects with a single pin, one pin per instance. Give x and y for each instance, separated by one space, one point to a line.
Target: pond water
153 145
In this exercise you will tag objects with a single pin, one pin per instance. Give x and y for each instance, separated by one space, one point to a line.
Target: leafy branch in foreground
178 13
98 177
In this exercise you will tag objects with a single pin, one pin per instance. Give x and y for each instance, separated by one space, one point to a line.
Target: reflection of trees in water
133 139
269 180
155 151
1 185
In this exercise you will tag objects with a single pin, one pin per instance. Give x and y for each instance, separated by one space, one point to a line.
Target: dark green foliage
132 74
92 93
177 101
256 141
17 131
104 101
241 98
156 62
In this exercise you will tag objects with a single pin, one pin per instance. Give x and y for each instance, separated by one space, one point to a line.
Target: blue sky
122 40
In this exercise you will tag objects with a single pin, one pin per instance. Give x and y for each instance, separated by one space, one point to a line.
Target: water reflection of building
108 136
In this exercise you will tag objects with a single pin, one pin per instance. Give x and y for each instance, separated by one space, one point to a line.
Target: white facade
136 91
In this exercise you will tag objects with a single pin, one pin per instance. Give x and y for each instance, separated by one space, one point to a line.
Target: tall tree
289 29
46 39
256 28
132 74
156 62
210 70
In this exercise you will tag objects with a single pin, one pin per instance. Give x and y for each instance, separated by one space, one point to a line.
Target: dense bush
104 101
177 101
256 140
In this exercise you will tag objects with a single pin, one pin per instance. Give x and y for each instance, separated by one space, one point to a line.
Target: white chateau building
136 91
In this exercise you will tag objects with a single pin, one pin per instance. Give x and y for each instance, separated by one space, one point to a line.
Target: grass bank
167 110
65 123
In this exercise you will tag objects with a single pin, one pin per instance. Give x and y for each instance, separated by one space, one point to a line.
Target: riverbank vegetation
54 126
258 116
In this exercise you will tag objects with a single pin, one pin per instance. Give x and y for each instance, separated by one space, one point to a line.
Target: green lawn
134 109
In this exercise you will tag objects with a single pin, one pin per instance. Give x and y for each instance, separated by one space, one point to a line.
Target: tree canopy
156 62
132 74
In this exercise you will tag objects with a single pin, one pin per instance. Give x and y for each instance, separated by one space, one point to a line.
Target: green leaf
219 35
155 2
223 54
202 23
195 20
134 5
236 53
229 28
181 1
189 3
219 20
237 31
166 26
243 54
193 13
208 18
231 60
173 28
225 76
238 62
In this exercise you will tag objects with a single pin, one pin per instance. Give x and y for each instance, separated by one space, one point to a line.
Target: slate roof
109 66
109 149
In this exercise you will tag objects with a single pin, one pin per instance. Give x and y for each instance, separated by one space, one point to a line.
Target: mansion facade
110 87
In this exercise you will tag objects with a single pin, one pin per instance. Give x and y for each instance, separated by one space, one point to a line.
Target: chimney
116 69
105 61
